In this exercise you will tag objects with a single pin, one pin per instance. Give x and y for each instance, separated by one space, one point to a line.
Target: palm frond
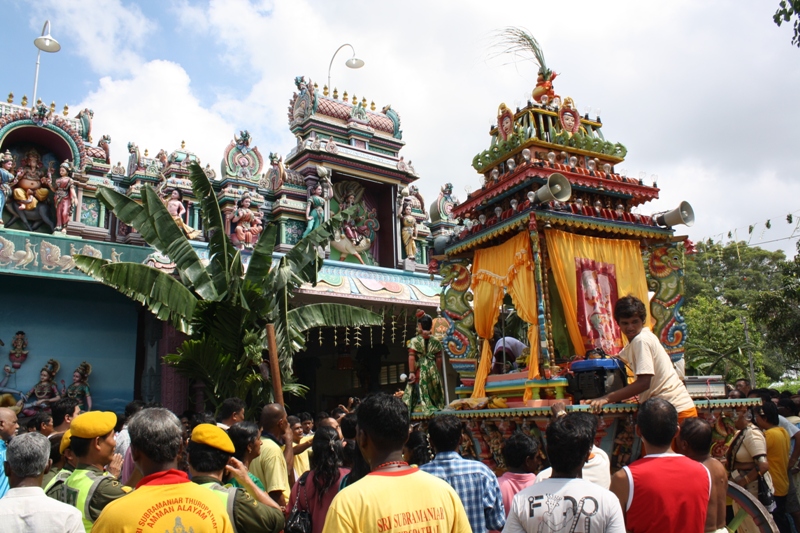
163 295
519 42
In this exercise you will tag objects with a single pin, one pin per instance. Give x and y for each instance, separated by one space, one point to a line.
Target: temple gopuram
347 155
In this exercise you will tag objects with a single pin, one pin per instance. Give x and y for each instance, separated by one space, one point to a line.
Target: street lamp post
45 43
353 62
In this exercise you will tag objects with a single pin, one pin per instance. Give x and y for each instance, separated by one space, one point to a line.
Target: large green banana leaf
163 295
261 260
222 253
156 226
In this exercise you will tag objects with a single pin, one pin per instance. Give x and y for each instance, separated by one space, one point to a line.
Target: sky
703 94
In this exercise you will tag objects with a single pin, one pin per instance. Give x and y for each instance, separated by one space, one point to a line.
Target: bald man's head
8 423
273 418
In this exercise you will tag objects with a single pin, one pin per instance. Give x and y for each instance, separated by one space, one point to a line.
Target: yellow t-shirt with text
407 501
180 507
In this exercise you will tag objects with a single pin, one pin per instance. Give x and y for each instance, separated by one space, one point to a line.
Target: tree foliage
223 309
778 312
723 282
788 9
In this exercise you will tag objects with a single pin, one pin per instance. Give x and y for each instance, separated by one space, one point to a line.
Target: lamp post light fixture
45 43
353 62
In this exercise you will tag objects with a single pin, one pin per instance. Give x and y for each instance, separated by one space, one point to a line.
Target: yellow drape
564 247
507 265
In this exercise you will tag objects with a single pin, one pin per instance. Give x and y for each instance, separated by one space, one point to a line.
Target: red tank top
668 494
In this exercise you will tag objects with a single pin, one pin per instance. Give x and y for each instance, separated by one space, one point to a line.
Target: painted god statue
29 191
6 179
408 231
65 196
79 388
44 393
176 208
247 223
315 209
18 353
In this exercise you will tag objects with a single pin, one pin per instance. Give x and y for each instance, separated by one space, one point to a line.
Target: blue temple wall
71 321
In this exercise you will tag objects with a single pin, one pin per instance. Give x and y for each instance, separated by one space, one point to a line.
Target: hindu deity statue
315 209
178 211
247 223
29 191
6 179
65 197
18 353
46 391
408 232
79 388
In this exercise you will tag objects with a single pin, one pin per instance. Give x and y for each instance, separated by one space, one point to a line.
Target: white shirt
645 355
123 441
27 509
597 469
565 505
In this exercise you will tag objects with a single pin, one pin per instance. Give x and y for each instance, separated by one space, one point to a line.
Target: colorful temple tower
346 156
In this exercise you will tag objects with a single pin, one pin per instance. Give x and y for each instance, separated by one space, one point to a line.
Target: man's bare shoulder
715 467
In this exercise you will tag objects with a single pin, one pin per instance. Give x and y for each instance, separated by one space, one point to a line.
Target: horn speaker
683 214
557 188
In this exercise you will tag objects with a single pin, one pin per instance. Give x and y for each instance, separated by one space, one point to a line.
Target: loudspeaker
558 188
683 214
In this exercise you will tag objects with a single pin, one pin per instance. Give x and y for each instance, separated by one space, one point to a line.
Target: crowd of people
366 468
372 470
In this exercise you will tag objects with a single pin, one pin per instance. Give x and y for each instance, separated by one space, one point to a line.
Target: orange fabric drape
564 247
508 265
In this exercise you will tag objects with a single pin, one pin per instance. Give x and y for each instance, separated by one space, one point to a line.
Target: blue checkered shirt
477 487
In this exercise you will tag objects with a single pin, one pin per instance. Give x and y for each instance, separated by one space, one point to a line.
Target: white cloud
156 109
702 94
106 32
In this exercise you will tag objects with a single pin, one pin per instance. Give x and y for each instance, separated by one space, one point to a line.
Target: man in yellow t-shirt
302 447
165 499
270 467
393 497
655 373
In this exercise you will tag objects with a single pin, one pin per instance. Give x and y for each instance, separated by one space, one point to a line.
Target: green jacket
246 513
90 489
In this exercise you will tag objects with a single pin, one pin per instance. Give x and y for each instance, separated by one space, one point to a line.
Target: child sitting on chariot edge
655 375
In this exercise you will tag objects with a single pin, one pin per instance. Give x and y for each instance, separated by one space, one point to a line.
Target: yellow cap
65 441
213 436
93 424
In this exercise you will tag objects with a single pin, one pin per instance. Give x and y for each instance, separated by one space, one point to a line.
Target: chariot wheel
749 515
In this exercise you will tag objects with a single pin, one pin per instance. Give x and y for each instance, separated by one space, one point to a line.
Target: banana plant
222 307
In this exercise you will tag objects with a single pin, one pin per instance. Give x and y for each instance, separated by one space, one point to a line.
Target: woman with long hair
246 438
315 490
417 450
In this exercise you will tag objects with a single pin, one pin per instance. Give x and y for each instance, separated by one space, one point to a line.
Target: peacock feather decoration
519 42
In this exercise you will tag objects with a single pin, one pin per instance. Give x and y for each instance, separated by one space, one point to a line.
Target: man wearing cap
89 487
55 486
165 499
210 456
